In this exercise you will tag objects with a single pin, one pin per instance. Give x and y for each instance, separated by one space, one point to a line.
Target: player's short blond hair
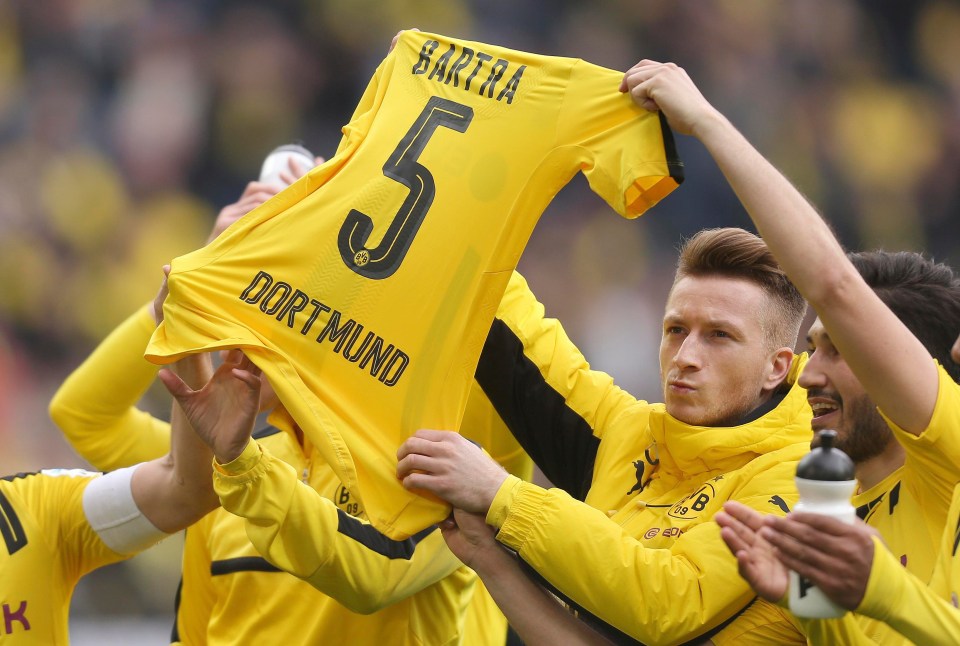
736 253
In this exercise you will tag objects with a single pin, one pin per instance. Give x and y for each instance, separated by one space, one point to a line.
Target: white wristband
112 513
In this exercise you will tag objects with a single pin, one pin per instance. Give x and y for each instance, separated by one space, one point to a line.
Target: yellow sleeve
946 570
55 497
503 501
654 595
301 532
547 349
630 158
902 601
95 408
899 600
891 592
543 389
934 455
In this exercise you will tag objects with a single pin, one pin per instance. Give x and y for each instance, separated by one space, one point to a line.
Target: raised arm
544 390
176 491
95 407
890 362
132 508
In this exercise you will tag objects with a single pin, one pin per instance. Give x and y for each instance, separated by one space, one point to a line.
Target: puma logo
781 503
640 466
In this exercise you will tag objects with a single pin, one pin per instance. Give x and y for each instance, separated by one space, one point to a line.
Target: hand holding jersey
224 410
666 88
324 304
451 467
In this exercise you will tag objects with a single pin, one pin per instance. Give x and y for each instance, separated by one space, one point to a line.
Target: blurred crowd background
125 125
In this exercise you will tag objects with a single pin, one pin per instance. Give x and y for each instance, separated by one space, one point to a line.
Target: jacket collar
690 449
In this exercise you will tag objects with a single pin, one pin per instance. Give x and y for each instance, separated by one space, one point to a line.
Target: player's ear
779 368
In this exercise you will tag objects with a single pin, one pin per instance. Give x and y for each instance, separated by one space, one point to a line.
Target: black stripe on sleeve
10 527
242 564
558 440
674 165
348 526
373 540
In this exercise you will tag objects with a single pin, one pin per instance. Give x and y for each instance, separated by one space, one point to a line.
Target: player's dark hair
736 253
924 295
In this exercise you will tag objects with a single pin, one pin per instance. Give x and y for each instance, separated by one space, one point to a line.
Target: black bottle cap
826 462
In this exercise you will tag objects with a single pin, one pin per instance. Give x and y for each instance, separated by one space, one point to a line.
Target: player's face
955 351
839 402
715 361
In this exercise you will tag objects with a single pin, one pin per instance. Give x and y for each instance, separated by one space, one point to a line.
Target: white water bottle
278 161
825 480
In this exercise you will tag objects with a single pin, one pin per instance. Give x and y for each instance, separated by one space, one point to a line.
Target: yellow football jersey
908 508
910 505
897 607
911 611
366 289
48 544
946 575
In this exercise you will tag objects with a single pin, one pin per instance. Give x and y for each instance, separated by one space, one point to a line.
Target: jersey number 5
402 166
